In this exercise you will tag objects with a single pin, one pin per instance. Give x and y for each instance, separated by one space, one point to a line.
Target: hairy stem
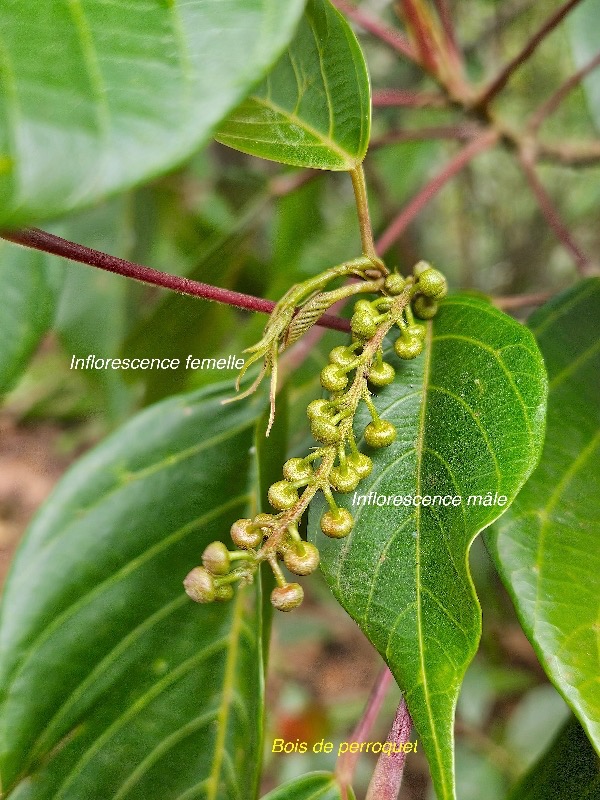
49 243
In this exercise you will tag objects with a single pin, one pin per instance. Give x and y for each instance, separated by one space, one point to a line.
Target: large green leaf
569 770
97 96
312 786
584 24
26 310
314 108
469 415
548 546
114 684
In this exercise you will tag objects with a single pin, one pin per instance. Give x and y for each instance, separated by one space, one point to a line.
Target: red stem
429 191
405 98
505 74
49 243
347 762
428 55
559 95
552 216
448 25
375 27
464 132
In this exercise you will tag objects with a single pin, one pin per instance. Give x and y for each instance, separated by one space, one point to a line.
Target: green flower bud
301 559
424 307
216 558
380 434
337 524
333 378
394 283
421 267
408 348
245 535
433 284
416 331
363 325
320 408
344 480
381 374
286 598
361 464
364 307
224 593
296 469
282 495
200 585
324 431
342 356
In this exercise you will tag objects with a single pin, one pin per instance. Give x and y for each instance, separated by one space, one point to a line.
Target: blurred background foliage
242 223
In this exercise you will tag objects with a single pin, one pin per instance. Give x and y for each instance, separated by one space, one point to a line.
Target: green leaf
469 415
312 786
131 91
314 108
584 33
26 310
113 683
547 546
569 770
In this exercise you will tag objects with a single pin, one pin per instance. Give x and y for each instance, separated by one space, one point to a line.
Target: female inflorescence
336 465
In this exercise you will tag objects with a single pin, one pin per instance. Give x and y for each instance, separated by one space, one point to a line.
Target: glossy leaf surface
469 416
96 97
314 107
548 546
115 684
569 770
312 786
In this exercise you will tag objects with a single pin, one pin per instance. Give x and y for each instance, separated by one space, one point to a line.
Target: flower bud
296 469
324 431
282 495
337 524
301 559
200 585
361 464
216 558
380 434
394 283
381 374
286 598
408 348
433 284
344 480
333 378
424 307
245 535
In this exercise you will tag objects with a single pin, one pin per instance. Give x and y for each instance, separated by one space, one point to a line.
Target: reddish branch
464 132
48 243
429 191
553 102
391 37
406 98
453 49
551 214
421 30
505 74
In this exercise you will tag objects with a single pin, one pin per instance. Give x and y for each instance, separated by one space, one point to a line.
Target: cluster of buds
336 464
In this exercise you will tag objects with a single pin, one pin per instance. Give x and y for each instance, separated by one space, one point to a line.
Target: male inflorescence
336 464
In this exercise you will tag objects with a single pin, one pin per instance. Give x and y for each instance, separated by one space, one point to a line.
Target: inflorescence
336 464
